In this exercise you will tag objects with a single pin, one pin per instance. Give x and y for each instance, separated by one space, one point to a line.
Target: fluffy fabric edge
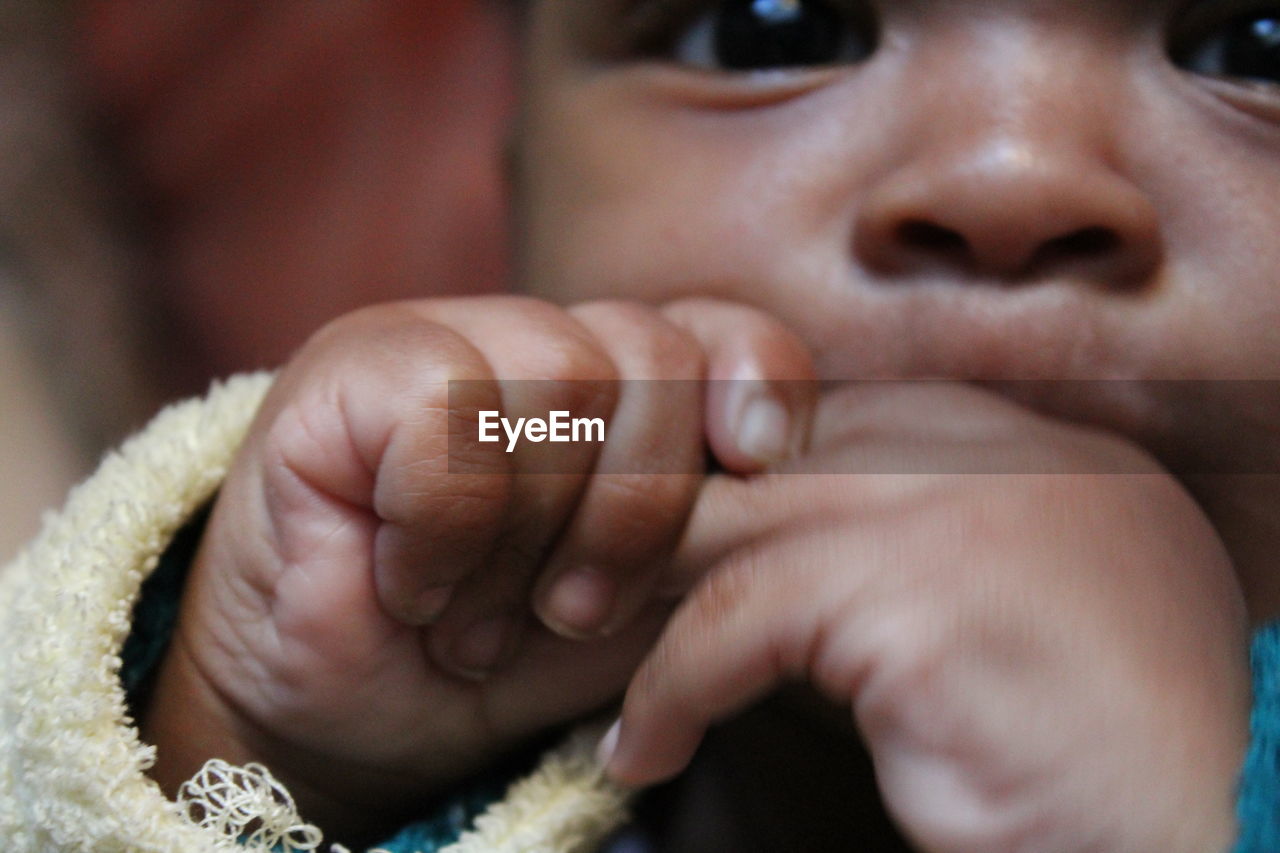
72 767
566 805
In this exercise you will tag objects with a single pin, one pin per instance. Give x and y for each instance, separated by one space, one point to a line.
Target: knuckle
699 305
562 349
905 683
563 359
672 353
530 305
725 593
396 344
749 319
370 325
359 322
608 310
750 329
647 343
449 501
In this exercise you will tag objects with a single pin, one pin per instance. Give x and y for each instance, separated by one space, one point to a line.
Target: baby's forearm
187 724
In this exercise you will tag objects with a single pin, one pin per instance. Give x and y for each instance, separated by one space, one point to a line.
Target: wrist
189 721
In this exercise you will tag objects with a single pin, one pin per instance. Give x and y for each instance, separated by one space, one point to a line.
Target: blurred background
188 188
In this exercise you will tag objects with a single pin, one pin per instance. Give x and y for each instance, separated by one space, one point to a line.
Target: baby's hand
1047 662
360 558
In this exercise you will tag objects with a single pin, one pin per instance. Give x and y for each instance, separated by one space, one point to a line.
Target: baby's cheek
651 247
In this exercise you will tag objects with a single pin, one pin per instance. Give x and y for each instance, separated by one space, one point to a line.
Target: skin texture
1036 662
789 192
934 211
354 613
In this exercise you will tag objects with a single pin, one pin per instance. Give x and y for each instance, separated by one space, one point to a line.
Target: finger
545 361
862 436
748 627
363 426
761 393
636 503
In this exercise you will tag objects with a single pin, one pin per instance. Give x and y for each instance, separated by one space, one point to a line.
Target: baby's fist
367 548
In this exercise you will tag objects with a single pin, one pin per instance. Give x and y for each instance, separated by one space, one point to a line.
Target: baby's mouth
949 330
1062 349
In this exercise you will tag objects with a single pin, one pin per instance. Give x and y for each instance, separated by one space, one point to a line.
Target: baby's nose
1009 211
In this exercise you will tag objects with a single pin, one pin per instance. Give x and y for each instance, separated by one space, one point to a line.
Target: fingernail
580 603
431 603
763 428
426 606
608 744
479 648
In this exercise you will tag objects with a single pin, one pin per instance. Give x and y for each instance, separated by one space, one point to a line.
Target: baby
780 190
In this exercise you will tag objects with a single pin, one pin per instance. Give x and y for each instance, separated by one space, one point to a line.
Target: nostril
918 234
1084 244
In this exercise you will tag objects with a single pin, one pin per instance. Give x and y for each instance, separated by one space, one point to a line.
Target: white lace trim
246 804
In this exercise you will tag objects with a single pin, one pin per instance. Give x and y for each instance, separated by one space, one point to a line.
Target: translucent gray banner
1186 427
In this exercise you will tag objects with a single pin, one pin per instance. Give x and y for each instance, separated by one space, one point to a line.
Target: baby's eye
755 35
1246 46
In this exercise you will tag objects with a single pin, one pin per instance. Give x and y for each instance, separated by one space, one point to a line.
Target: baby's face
975 189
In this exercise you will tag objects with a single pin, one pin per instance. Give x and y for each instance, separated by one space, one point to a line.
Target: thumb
761 393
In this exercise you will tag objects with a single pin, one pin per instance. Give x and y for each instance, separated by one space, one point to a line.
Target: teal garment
1258 803
154 617
448 823
156 612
